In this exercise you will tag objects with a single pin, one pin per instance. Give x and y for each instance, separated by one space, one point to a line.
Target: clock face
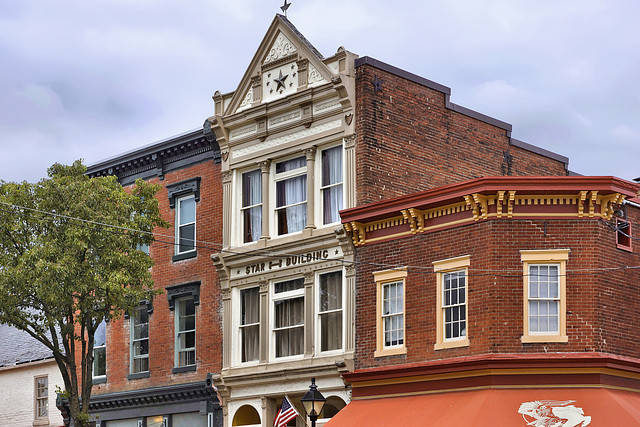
280 81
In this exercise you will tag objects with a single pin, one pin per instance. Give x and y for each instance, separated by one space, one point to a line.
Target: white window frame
273 298
320 208
100 348
133 340
239 326
384 278
178 226
442 268
556 257
242 208
178 313
318 328
41 401
274 178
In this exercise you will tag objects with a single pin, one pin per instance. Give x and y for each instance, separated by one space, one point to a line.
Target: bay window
251 206
291 195
250 324
288 317
331 187
330 311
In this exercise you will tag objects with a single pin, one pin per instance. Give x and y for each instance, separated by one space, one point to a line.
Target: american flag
286 413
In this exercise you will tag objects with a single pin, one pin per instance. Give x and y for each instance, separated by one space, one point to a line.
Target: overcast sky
95 78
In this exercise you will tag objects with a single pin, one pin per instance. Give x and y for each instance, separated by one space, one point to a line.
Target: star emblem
280 81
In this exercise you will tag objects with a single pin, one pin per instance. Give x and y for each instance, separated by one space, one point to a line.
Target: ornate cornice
488 199
157 159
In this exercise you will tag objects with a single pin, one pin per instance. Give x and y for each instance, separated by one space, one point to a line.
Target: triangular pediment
285 63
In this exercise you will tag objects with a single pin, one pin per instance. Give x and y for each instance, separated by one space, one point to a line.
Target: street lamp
313 401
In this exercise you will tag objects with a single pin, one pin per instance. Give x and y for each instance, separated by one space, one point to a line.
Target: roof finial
284 7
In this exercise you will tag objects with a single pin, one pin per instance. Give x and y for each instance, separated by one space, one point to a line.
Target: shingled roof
17 347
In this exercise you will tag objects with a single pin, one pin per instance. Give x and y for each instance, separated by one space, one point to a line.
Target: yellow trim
417 219
440 268
550 256
383 277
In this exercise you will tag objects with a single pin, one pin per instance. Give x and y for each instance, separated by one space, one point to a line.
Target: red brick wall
167 273
602 308
407 141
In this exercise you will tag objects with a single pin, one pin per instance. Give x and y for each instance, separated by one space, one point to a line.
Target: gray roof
18 347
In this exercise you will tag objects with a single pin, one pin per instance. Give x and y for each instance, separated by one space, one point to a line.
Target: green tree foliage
68 261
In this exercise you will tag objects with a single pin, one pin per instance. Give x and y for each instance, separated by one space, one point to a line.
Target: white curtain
331 311
332 184
250 301
252 196
289 315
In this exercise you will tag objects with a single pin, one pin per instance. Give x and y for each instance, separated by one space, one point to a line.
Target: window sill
184 255
139 375
390 352
544 338
41 422
99 380
451 344
183 369
624 247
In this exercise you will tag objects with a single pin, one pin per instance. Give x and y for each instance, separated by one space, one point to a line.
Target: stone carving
284 118
281 47
287 138
240 132
248 99
314 76
330 104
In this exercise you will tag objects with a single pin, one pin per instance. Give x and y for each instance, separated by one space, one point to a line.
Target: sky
91 79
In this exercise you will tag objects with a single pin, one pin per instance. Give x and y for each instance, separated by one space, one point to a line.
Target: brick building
301 138
152 368
497 301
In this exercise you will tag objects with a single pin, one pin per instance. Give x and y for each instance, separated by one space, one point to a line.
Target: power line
201 244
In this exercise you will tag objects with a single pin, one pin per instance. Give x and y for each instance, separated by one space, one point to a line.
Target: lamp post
313 401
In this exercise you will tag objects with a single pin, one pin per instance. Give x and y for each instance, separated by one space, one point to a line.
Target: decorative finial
284 7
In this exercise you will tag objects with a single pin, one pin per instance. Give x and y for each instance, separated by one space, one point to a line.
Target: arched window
331 407
246 415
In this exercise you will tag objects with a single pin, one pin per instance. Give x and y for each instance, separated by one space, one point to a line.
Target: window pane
187 237
332 166
250 308
99 361
252 220
289 312
292 164
289 285
331 327
187 210
251 188
250 342
331 291
100 336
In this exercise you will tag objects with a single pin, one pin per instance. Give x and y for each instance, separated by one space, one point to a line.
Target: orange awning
570 407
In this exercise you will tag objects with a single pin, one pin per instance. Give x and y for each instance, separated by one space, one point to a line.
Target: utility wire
200 244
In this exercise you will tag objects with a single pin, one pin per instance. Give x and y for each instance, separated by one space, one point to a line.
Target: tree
68 261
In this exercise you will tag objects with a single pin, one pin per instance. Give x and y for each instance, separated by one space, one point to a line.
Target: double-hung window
288 320
185 224
451 300
100 351
250 324
41 399
291 195
331 188
330 315
544 274
390 312
251 206
139 332
185 332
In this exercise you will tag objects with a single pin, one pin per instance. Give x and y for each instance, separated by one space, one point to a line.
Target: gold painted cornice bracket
512 202
581 203
415 218
474 207
593 197
483 203
358 233
608 204
499 203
